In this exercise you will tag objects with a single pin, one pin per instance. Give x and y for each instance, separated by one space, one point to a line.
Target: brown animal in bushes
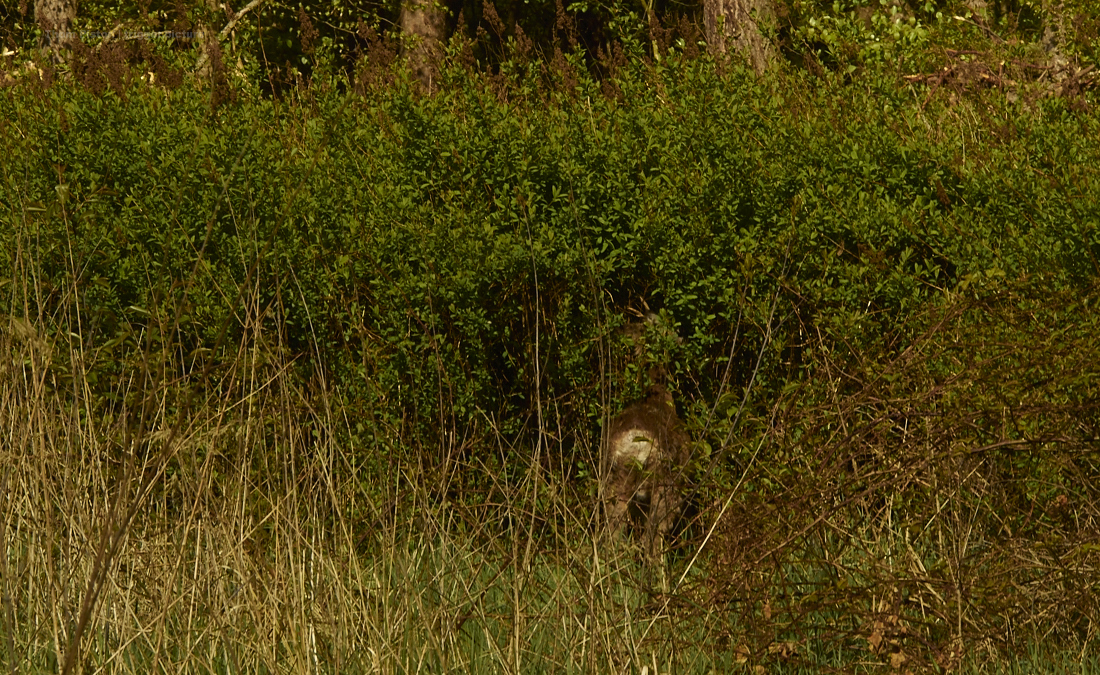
645 454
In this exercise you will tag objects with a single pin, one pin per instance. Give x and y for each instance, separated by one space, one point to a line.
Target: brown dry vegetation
179 530
924 500
936 504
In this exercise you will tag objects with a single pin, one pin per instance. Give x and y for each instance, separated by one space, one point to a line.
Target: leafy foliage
884 296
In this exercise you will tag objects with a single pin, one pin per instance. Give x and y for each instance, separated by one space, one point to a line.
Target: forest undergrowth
316 383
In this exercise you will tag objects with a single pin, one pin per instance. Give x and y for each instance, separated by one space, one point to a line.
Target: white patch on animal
634 444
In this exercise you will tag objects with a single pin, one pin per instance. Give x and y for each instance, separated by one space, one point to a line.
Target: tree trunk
740 24
1054 33
423 23
56 18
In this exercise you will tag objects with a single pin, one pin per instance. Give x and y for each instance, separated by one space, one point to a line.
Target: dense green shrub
422 243
885 298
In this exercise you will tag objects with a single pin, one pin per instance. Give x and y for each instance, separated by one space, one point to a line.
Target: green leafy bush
435 283
444 233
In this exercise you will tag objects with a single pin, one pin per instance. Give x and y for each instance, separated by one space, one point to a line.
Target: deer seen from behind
645 454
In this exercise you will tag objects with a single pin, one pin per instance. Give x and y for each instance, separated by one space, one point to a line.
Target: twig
981 25
110 36
237 16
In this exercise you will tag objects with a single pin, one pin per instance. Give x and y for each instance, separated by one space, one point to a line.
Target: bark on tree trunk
423 22
1054 32
56 18
739 24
